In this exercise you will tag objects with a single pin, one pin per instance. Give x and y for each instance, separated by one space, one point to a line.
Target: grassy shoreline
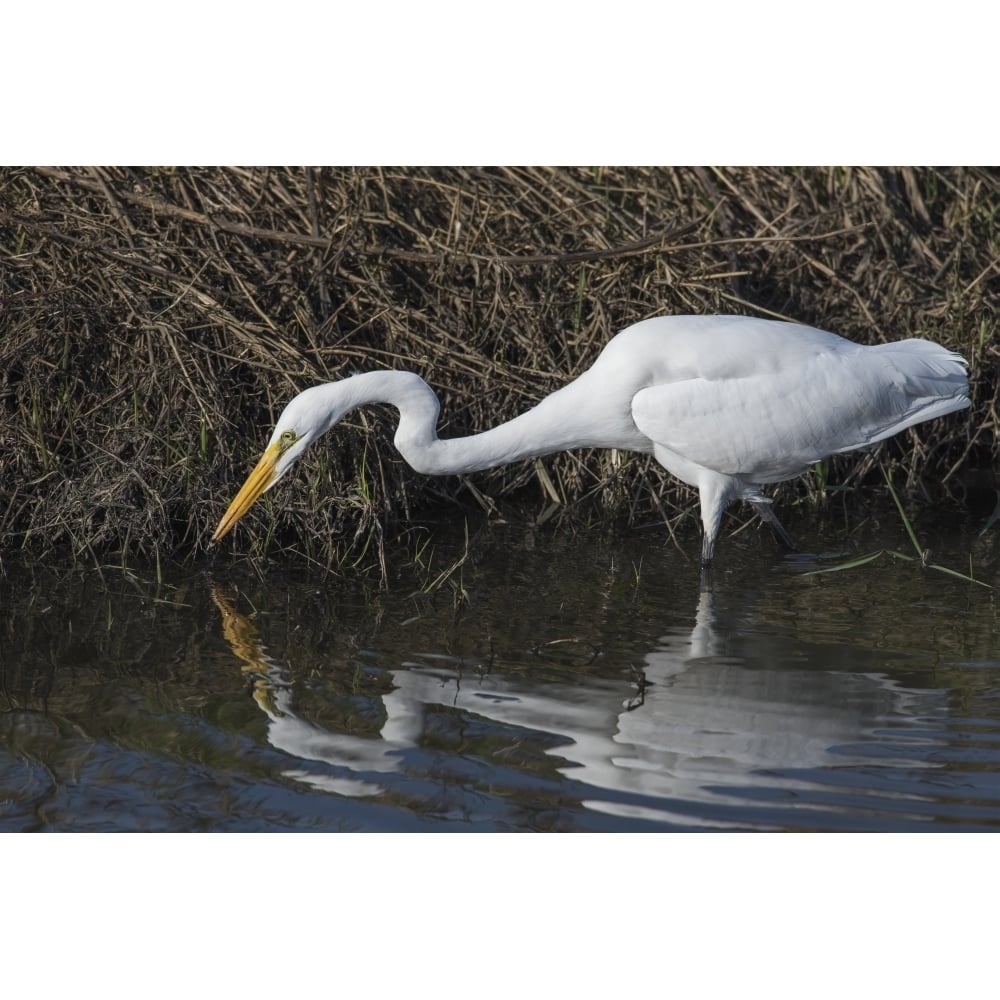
156 320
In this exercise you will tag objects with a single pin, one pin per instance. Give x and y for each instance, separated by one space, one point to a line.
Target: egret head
303 420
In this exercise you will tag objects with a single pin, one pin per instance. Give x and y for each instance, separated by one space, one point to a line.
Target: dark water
551 682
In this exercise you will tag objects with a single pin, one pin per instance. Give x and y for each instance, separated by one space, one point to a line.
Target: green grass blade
994 517
961 576
850 564
902 514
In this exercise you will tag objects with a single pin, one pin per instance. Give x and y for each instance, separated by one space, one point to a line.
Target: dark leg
766 511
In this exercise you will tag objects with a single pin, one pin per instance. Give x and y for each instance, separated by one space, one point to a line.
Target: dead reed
154 321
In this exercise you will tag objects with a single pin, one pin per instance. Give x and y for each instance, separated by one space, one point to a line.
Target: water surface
553 681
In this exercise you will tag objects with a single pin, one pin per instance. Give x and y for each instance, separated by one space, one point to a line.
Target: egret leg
715 492
766 510
707 549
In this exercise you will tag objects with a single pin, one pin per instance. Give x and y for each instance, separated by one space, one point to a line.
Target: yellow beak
263 475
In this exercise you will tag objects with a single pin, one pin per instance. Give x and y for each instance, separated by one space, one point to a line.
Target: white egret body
725 403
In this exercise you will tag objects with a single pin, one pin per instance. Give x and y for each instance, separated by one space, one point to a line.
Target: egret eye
287 439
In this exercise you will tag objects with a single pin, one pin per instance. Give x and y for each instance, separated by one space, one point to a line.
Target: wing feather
775 422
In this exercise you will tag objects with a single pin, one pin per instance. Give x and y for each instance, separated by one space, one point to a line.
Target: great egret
725 404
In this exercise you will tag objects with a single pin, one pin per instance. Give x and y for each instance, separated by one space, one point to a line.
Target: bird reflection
714 713
273 692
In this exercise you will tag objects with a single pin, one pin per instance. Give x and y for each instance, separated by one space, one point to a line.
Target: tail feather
926 381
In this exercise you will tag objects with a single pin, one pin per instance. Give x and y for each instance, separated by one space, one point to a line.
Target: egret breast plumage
727 404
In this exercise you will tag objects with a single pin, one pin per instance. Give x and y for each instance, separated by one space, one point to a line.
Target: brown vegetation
154 321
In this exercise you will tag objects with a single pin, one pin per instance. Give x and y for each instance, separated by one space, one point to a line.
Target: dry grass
154 321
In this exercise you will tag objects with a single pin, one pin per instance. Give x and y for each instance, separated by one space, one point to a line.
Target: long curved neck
558 423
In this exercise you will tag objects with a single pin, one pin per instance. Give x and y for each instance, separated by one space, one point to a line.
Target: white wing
781 414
